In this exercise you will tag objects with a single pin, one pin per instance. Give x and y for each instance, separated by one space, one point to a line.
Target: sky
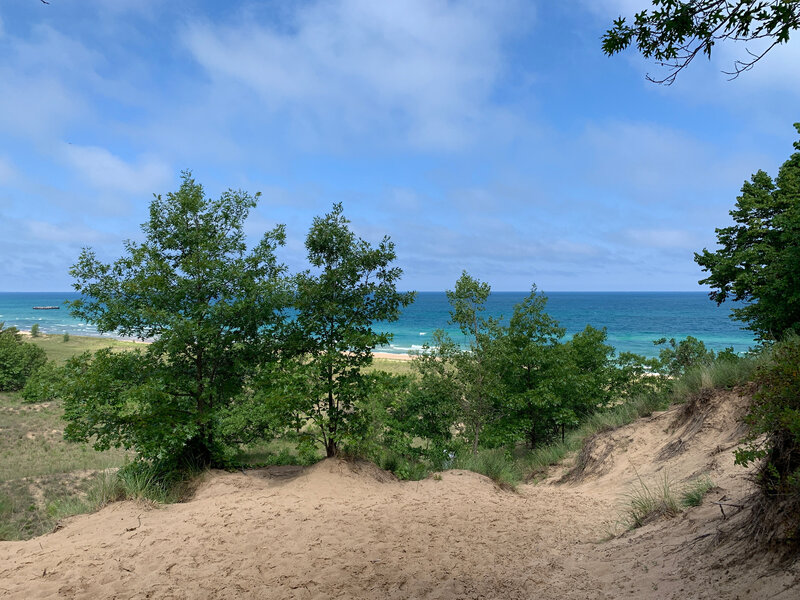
488 136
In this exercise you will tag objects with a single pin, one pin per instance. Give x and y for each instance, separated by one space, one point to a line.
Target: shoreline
382 355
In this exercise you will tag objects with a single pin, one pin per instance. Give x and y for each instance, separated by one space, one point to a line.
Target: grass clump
695 491
495 463
645 503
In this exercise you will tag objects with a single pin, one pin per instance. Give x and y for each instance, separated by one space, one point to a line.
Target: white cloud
653 164
423 70
663 238
105 171
78 235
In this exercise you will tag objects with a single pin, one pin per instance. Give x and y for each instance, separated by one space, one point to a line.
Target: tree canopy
214 314
675 32
759 257
352 286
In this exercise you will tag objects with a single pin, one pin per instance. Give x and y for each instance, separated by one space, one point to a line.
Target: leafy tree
758 258
676 357
352 286
35 330
532 364
674 32
214 313
476 367
18 359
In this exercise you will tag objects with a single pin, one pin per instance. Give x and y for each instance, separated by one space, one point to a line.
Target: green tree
757 262
214 314
676 357
476 366
674 32
18 359
530 367
352 286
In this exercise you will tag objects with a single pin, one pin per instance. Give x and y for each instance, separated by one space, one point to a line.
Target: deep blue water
633 319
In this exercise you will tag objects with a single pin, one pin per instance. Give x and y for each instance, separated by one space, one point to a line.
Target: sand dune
350 530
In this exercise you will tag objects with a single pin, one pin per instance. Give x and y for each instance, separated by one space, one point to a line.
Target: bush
18 360
774 421
677 357
35 330
43 384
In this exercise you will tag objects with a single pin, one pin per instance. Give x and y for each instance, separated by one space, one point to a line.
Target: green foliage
213 310
469 378
44 383
352 286
18 359
35 330
677 357
674 32
758 256
65 337
774 421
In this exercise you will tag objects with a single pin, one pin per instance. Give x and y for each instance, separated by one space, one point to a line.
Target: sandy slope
343 530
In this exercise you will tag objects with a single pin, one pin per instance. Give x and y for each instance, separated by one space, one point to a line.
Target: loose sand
349 530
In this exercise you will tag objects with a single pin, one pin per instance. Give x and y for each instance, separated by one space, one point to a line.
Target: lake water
633 319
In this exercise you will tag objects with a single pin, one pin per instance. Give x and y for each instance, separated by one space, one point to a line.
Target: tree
674 32
214 313
531 364
476 367
352 287
757 262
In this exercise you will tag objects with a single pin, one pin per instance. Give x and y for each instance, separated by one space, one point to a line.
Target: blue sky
488 136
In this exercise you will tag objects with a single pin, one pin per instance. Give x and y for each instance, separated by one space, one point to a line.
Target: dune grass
42 477
59 350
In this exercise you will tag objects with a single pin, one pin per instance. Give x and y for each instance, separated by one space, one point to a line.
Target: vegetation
35 330
18 359
214 313
774 421
674 32
758 256
354 287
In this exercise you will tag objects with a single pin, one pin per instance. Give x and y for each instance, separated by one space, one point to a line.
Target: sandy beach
349 530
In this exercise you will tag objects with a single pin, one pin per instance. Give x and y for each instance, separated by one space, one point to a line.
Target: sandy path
344 530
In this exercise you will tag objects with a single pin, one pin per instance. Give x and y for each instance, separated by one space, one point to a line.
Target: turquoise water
633 319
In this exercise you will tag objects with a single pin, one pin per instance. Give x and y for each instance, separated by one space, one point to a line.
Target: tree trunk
331 448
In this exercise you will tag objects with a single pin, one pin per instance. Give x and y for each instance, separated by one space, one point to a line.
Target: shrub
677 357
43 384
18 360
774 421
35 330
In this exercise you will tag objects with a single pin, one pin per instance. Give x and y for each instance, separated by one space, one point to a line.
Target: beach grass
43 478
59 350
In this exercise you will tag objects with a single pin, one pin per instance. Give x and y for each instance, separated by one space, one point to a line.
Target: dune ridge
350 530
